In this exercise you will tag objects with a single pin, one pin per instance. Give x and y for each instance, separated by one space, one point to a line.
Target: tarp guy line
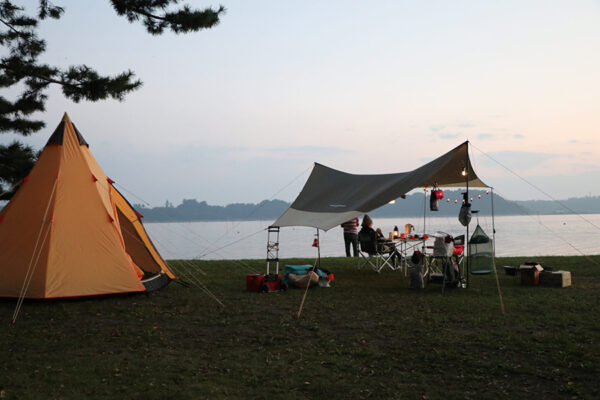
559 236
205 253
538 189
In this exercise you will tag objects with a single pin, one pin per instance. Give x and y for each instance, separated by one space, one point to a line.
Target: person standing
351 236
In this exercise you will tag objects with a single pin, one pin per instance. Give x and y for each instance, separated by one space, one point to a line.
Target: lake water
515 236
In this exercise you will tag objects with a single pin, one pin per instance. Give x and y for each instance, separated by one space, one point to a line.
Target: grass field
369 336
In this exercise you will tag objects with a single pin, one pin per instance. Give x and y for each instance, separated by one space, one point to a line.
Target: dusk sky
236 113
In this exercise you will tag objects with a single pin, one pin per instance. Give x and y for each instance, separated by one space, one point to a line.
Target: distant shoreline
191 210
374 216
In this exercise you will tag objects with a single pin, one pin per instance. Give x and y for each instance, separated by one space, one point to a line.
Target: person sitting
373 242
367 236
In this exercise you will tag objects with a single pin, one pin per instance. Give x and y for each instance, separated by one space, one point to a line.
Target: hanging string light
455 201
471 199
479 196
487 191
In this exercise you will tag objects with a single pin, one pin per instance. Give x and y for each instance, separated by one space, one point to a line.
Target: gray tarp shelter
331 197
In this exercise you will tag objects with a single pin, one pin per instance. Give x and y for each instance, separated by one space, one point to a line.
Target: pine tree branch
180 21
19 37
12 28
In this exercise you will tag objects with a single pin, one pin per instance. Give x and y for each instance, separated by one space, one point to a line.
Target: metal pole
424 217
318 250
424 207
493 224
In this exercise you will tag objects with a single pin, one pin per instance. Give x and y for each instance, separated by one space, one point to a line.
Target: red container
264 283
458 249
439 194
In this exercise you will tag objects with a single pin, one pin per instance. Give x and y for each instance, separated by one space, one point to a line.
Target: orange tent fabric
137 242
60 234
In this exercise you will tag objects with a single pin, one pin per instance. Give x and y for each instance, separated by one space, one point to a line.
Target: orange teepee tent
67 231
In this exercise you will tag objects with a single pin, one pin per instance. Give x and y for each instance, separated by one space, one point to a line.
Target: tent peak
58 134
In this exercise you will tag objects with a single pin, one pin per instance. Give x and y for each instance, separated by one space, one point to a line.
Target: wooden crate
530 274
555 278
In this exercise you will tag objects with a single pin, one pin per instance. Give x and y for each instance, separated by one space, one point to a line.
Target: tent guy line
210 244
37 249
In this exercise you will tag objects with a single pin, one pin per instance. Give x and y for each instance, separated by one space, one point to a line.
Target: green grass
369 336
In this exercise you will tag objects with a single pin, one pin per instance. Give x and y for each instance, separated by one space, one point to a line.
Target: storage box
555 278
530 274
510 270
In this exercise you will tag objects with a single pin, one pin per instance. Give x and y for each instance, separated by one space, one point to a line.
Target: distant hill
412 206
579 205
192 210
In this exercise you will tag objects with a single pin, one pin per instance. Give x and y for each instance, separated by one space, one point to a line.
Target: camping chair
372 254
446 260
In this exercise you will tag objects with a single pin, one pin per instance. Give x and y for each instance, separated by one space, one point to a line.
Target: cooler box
324 277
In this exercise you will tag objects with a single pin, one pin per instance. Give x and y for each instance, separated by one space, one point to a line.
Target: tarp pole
315 266
424 213
493 223
494 255
318 250
468 253
424 207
